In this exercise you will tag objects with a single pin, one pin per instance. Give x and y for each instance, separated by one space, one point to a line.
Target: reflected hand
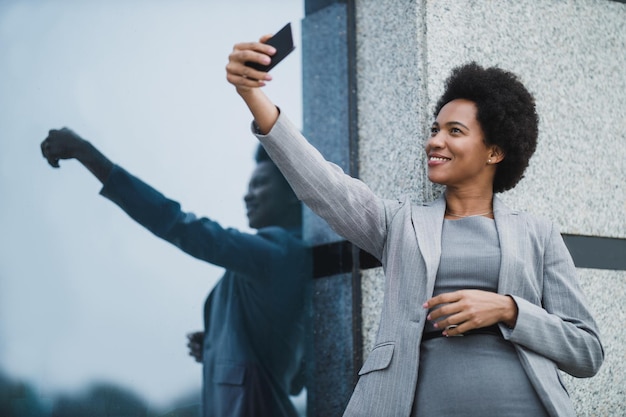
245 78
470 309
195 345
62 144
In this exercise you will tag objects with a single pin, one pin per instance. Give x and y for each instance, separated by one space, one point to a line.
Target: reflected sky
85 293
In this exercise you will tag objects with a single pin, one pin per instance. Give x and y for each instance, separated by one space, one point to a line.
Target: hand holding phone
283 42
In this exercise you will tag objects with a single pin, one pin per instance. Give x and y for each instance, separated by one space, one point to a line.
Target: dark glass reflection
93 307
253 344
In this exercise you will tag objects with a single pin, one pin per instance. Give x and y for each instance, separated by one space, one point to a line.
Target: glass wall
93 307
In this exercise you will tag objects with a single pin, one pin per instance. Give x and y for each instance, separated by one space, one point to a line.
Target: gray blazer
554 327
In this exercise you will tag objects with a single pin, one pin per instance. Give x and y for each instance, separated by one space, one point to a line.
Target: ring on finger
454 326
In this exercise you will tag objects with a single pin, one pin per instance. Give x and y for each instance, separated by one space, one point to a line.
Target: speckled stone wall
571 54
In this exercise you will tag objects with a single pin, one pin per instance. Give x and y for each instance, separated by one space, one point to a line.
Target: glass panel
94 309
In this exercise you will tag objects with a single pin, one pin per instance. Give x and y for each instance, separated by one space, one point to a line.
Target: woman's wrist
509 317
264 112
94 160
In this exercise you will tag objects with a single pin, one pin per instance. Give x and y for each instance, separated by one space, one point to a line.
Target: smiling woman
475 291
86 297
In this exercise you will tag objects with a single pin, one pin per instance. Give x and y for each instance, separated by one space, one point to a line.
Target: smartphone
283 42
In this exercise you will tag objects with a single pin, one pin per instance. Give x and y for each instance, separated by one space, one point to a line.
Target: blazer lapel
510 230
427 224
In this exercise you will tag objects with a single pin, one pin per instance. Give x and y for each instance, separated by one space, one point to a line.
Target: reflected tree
17 399
102 400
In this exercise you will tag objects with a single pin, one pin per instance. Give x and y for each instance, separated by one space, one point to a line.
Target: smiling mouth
438 158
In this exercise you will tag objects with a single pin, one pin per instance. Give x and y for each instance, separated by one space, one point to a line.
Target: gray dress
474 375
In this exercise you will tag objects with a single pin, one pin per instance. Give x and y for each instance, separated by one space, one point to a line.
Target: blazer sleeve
200 237
347 204
562 328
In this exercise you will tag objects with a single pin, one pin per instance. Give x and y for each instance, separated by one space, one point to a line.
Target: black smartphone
283 42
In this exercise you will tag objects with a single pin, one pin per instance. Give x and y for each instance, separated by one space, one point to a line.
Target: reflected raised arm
248 80
65 144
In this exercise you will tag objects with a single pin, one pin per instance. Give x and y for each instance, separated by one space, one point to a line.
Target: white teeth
436 158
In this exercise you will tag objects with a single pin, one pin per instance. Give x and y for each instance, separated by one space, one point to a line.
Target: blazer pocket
230 374
378 359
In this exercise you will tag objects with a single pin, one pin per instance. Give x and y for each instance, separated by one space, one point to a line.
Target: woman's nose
248 196
435 141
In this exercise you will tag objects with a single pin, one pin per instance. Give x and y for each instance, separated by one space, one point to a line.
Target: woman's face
269 199
457 153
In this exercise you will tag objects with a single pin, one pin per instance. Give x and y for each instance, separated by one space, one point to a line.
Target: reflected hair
261 155
506 113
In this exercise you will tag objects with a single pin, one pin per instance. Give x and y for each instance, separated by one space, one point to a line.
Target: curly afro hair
506 113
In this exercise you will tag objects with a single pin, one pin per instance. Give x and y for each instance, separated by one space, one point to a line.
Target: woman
464 264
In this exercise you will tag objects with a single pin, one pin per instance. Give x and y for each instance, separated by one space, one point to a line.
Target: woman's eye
455 130
433 131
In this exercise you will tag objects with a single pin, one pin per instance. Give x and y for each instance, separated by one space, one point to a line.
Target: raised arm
346 203
65 144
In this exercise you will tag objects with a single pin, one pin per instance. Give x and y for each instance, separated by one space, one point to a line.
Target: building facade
372 71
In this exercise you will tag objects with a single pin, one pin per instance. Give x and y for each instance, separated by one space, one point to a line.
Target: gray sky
85 293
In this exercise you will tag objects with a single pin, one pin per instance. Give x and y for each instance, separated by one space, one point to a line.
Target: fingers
196 354
61 144
194 347
47 152
265 38
45 146
442 299
467 309
195 351
260 47
448 297
243 76
454 325
451 316
450 313
196 336
195 344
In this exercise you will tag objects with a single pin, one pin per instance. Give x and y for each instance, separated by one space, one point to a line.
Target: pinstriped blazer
554 329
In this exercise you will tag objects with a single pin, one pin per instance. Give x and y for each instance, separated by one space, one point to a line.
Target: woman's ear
496 154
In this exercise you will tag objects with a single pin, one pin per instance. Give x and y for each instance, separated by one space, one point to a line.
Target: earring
489 161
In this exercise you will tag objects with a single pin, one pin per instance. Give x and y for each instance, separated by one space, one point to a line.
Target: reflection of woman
464 264
252 345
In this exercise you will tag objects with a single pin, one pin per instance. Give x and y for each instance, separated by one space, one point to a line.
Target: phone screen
283 42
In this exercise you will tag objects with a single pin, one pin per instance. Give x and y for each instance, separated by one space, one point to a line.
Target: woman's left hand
470 309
